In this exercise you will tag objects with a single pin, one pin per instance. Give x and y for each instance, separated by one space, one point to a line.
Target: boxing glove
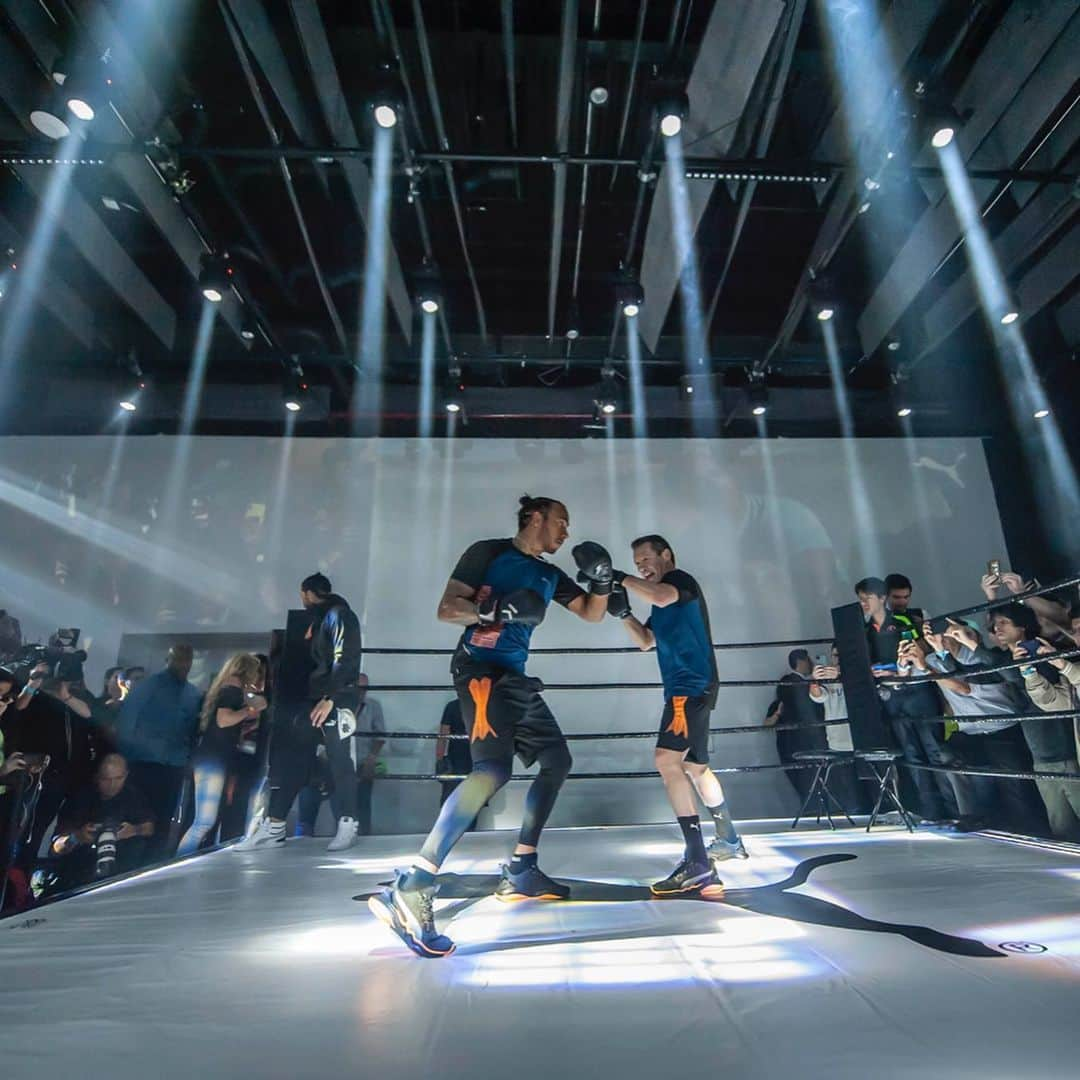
594 567
523 606
618 603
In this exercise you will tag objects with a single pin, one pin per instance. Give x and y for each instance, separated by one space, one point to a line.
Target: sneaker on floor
720 849
531 884
690 877
410 914
345 836
267 832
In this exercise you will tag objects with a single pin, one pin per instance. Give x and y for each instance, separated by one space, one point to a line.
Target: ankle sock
695 845
725 827
522 862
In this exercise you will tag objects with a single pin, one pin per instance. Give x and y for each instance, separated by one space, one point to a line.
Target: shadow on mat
762 899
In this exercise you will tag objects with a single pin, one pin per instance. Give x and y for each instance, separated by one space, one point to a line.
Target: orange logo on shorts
678 725
480 691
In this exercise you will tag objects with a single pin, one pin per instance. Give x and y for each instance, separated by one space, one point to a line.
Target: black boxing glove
523 606
594 567
618 603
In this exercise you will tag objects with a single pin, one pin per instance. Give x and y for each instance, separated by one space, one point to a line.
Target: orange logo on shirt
480 692
678 725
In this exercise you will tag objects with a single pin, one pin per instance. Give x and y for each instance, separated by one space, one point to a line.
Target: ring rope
605 775
1000 773
609 650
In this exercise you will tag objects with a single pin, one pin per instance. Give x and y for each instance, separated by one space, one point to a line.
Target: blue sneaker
531 884
720 849
409 913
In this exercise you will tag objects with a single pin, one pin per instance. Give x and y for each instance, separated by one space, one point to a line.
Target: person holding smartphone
232 707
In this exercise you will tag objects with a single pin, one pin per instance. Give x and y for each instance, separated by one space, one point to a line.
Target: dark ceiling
244 126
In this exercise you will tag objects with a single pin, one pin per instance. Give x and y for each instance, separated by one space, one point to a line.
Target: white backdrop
173 534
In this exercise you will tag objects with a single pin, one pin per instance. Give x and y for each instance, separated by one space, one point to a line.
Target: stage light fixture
825 313
598 95
385 115
429 305
894 345
215 277
1010 316
294 388
631 297
904 411
248 328
82 89
1041 414
672 108
757 393
49 119
606 402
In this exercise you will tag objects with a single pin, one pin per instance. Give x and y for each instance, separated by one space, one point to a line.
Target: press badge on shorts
485 637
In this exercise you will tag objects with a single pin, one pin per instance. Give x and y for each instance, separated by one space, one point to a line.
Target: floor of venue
834 954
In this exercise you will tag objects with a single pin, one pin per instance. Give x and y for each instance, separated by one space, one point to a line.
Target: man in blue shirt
499 592
155 731
678 628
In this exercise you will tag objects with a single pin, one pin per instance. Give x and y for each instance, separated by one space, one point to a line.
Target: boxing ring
833 953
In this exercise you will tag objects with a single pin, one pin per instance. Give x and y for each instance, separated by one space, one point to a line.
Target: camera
64 660
105 846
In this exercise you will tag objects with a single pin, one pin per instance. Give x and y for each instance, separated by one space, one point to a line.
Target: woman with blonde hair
233 705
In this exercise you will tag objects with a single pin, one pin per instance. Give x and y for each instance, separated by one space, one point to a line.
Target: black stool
883 765
824 761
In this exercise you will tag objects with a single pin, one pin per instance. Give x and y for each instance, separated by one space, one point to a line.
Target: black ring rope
608 650
1012 598
1001 774
652 775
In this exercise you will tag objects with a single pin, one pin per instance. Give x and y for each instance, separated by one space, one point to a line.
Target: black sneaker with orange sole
690 877
531 884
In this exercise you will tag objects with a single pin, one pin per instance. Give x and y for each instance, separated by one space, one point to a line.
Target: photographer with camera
103 828
52 723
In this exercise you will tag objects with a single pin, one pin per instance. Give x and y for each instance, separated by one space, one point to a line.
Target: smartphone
36 761
883 667
1031 647
994 567
821 660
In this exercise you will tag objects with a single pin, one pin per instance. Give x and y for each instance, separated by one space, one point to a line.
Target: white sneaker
266 832
345 836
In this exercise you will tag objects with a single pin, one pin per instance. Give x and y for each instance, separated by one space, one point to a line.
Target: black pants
292 752
162 785
922 743
1013 805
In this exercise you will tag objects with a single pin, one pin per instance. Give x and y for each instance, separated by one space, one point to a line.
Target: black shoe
409 913
531 884
971 823
690 877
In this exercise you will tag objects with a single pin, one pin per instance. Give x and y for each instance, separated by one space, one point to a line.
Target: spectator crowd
153 766
943 709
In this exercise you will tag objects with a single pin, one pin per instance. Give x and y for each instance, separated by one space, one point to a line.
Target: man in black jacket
333 695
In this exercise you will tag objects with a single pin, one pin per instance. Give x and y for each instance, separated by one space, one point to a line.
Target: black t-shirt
884 641
683 639
497 567
87 806
218 742
799 708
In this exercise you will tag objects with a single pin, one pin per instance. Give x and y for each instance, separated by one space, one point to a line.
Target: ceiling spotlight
894 345
904 411
81 108
942 136
429 305
672 108
572 334
294 387
1041 414
1009 317
248 329
128 405
606 401
631 296
824 314
758 393
598 95
385 116
49 119
215 277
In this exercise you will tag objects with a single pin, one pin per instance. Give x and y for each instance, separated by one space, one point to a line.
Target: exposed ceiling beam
332 100
1025 35
732 50
57 297
1044 216
567 48
139 103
